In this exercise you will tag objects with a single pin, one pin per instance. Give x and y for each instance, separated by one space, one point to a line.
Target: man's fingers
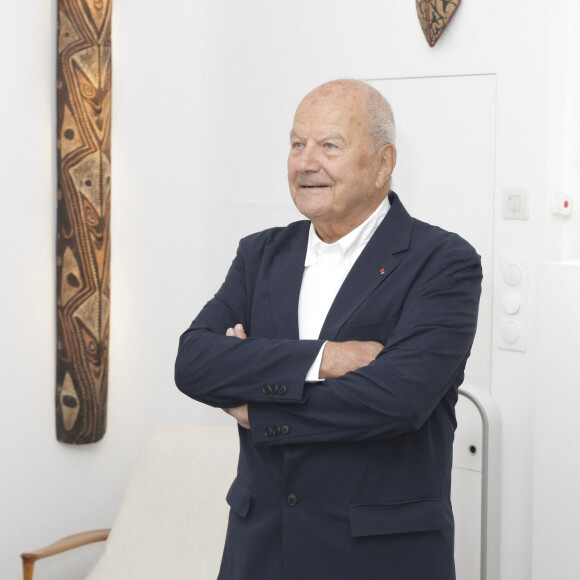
237 331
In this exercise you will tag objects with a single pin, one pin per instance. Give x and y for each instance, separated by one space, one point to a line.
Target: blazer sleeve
423 360
223 371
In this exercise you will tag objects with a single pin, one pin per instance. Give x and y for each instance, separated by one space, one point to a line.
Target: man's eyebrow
329 137
333 136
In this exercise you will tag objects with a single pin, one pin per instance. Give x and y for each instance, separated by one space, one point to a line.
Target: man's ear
388 154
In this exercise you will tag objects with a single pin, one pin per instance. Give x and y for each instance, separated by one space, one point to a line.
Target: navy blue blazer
347 479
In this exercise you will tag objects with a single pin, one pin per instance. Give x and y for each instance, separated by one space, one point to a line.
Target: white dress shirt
325 268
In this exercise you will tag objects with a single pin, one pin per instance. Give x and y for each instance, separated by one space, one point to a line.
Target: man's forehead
327 121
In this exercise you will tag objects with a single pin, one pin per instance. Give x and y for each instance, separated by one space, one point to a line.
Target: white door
445 176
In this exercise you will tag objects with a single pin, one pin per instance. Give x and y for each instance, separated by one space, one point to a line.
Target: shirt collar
349 244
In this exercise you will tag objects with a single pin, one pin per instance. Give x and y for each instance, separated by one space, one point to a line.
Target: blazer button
292 499
276 430
274 389
285 430
282 389
268 432
267 389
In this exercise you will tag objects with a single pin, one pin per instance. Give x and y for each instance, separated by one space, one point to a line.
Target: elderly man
338 344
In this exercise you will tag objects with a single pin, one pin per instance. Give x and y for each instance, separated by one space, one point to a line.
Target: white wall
204 94
48 489
557 445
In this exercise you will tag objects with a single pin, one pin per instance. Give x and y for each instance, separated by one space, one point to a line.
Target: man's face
332 174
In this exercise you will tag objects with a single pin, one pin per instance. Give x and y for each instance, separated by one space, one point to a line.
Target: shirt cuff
312 376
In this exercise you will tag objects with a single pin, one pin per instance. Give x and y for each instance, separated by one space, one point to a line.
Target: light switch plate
516 203
511 319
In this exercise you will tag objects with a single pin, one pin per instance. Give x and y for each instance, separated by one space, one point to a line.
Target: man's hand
339 358
240 414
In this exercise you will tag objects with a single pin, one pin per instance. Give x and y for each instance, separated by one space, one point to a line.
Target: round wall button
510 332
511 302
513 274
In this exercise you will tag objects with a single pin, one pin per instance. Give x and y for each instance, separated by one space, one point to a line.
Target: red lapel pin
382 271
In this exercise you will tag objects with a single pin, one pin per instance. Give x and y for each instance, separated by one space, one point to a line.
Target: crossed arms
338 358
367 391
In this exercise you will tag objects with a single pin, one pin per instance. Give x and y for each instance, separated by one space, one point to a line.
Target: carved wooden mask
434 16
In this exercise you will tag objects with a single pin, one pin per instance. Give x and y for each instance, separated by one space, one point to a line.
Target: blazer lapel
285 281
373 267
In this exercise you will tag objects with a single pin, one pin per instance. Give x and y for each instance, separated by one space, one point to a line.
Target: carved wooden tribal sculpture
434 16
83 218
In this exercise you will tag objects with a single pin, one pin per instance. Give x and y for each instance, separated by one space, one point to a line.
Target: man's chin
312 203
311 211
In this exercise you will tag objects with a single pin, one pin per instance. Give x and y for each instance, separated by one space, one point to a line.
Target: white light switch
516 203
510 332
512 273
512 295
512 302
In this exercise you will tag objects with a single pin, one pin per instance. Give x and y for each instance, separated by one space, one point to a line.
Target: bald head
378 112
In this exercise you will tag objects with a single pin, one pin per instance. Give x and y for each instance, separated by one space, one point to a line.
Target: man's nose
308 159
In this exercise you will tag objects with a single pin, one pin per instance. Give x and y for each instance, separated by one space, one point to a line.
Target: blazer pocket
239 497
423 515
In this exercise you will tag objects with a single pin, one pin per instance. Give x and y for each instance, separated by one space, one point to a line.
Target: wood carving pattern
434 16
83 218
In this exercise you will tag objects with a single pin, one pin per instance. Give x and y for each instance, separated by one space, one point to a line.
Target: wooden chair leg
27 569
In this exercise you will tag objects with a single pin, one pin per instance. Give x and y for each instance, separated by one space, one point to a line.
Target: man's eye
297 145
329 146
